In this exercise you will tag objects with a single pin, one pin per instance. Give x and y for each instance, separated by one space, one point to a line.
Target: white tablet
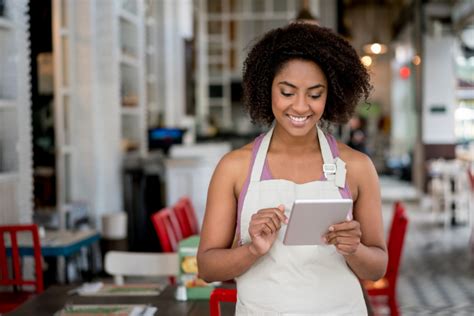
310 220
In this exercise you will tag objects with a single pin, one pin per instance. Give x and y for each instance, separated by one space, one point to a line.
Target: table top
58 242
56 297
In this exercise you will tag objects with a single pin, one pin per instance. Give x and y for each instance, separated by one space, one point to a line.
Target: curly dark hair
348 79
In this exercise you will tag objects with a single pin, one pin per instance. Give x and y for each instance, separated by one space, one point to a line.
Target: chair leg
392 302
214 306
118 279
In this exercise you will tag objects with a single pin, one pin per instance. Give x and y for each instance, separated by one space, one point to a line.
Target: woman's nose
301 104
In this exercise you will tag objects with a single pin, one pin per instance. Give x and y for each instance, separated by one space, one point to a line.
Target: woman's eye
286 94
314 97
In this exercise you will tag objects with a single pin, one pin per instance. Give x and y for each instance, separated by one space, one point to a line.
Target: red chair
10 252
221 295
387 286
186 217
191 215
167 228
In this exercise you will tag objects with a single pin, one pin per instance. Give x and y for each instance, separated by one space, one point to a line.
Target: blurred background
113 108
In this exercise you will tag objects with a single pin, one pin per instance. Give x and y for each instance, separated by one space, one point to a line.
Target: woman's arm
361 240
217 261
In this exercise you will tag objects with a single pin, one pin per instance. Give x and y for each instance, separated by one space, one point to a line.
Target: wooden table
56 297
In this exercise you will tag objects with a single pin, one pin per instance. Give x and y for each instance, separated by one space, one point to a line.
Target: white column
177 17
439 96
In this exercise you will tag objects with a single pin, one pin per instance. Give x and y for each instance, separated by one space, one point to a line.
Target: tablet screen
310 220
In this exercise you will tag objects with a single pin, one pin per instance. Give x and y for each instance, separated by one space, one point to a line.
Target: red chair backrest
186 217
166 227
191 215
221 295
17 279
470 175
396 240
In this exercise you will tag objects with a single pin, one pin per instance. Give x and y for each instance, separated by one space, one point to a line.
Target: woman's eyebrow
286 83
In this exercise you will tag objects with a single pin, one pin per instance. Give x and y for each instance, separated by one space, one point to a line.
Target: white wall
438 90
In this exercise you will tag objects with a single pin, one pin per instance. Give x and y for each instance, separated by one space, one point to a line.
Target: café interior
115 113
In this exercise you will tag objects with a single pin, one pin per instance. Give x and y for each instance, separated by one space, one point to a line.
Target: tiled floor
437 270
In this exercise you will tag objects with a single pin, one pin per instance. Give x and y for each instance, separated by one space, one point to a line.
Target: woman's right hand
263 229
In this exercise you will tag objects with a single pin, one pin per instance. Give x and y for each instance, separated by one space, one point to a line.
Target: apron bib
296 280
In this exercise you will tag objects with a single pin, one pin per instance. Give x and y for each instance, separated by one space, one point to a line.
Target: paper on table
103 309
143 311
125 290
87 288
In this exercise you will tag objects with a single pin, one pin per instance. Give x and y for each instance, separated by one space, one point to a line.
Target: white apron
296 280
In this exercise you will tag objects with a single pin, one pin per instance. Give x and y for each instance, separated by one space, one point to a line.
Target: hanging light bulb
366 61
375 48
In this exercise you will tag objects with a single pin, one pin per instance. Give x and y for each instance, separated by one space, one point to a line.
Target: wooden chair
219 295
167 228
186 216
10 252
387 286
122 263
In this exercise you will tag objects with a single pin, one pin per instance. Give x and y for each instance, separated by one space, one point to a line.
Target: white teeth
298 118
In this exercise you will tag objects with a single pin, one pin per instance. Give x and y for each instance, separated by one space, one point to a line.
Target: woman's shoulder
354 159
236 160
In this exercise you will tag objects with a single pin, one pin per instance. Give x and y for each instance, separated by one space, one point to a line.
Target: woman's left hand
345 236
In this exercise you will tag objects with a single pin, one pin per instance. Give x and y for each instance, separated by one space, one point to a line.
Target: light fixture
375 47
366 60
416 60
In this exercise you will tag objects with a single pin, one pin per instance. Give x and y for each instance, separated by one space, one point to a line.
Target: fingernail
331 228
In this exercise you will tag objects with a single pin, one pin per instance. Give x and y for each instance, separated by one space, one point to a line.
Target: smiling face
299 92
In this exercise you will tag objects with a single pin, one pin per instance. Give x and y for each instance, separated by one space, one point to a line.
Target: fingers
347 225
268 220
345 236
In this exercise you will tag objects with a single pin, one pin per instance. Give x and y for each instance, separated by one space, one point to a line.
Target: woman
295 78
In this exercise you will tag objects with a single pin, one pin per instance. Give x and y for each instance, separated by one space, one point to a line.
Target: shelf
65 91
217 102
252 16
465 94
150 22
6 104
129 17
8 176
130 111
66 150
5 24
128 60
64 32
151 79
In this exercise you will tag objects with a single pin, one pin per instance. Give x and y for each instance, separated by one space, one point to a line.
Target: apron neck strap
328 160
325 148
261 155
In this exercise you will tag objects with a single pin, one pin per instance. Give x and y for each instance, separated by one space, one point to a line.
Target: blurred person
357 139
296 80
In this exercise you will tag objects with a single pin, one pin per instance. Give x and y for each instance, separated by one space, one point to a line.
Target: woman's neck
283 141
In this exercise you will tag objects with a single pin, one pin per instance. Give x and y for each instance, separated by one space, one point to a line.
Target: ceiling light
375 48
416 60
366 60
